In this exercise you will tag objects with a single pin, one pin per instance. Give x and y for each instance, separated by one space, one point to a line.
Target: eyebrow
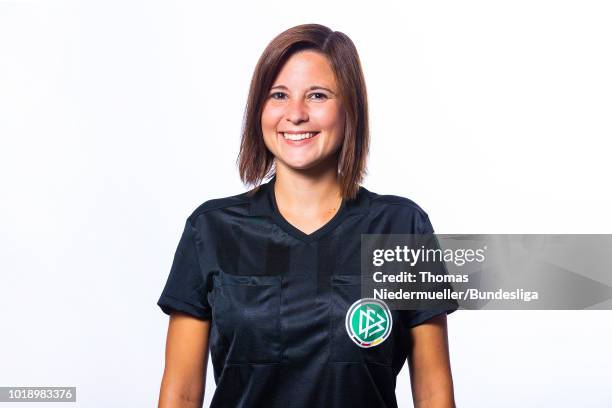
312 88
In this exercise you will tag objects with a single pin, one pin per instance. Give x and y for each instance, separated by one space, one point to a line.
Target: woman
267 277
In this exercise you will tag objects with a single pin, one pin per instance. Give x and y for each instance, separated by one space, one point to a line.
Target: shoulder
211 206
387 200
390 201
401 210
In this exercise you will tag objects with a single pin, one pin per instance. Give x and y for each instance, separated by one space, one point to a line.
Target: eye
278 95
318 95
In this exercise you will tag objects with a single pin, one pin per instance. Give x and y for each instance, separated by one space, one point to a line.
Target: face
303 119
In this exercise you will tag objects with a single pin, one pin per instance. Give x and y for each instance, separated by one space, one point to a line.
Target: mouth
297 137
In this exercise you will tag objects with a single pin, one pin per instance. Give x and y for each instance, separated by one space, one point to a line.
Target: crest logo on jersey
368 322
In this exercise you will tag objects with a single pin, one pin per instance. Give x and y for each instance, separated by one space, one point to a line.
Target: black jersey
277 299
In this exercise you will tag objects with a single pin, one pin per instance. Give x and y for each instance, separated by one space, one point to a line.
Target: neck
307 192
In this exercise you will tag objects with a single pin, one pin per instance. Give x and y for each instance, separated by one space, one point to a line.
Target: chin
300 164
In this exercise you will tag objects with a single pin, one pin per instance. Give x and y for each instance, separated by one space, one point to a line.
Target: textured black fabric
277 300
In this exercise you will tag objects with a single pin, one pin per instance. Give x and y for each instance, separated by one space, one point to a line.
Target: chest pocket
345 290
246 312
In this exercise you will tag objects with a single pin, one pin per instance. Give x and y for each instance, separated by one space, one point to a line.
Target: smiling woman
307 80
303 119
269 279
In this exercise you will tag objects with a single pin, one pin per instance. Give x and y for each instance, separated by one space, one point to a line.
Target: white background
118 118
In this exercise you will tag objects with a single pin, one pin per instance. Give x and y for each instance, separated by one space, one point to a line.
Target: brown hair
255 161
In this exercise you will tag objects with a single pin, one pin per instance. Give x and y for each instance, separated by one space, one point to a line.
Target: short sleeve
186 287
416 317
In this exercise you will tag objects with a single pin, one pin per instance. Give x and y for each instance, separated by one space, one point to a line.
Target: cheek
339 126
330 118
270 117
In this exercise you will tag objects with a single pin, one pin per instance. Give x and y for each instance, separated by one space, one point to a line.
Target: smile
299 136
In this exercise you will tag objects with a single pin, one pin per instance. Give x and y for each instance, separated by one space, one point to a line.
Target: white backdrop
118 118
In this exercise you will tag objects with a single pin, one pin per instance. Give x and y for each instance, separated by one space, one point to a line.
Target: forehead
304 67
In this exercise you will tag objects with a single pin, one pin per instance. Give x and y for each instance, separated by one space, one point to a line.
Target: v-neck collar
296 232
264 203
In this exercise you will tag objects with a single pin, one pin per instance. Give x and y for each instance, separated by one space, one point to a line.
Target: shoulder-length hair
255 161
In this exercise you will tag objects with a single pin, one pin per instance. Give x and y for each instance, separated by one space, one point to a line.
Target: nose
297 111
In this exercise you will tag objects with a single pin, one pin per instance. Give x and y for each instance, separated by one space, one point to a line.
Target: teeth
298 136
